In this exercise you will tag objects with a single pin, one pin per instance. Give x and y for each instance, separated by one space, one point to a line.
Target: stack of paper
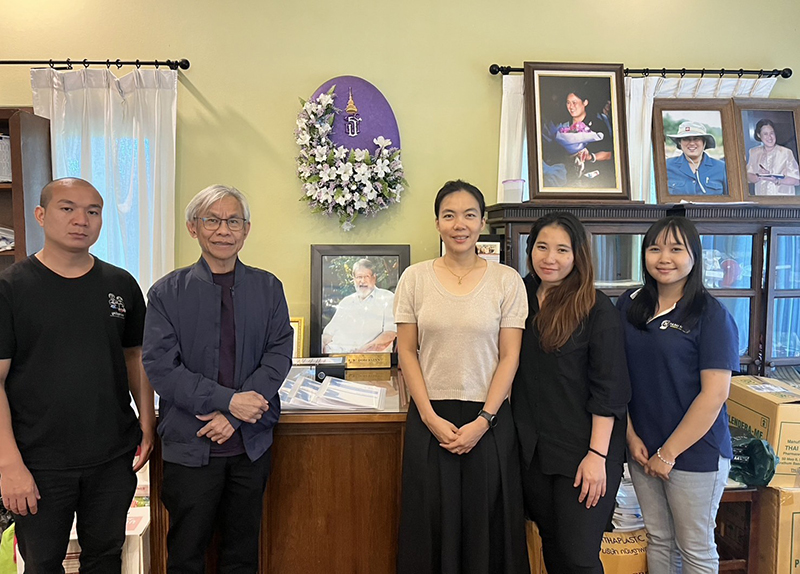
6 239
331 394
627 514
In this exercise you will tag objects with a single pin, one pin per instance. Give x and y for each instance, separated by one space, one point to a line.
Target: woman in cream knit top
459 328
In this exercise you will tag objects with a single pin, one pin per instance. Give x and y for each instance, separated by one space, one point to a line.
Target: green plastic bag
754 461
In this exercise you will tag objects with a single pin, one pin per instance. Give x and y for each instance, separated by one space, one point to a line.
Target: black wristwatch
492 419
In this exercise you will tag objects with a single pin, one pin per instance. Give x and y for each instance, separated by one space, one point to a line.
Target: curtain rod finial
183 64
494 69
786 73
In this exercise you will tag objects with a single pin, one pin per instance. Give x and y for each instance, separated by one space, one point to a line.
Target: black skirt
462 514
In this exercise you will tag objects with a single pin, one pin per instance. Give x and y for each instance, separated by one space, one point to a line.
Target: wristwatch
492 419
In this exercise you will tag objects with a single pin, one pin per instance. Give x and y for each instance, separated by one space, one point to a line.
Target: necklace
460 277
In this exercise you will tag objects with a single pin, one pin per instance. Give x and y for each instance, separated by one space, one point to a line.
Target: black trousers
100 495
227 493
571 533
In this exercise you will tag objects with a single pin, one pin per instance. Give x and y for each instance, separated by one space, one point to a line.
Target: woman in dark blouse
569 397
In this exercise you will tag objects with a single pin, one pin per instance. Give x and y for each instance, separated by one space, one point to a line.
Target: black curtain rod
494 69
183 63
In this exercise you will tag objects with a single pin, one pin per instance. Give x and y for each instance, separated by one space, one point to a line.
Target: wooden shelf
5 186
8 253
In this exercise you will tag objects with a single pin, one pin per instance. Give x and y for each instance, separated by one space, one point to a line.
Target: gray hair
364 264
212 194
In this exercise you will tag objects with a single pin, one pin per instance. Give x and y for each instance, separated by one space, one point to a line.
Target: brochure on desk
332 394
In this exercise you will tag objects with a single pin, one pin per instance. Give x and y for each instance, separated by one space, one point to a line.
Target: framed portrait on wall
489 246
769 154
695 150
352 297
577 138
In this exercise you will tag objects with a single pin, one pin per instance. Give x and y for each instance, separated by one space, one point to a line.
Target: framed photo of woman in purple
577 145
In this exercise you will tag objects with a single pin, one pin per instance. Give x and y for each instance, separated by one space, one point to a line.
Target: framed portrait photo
695 151
577 138
298 342
489 246
769 154
352 297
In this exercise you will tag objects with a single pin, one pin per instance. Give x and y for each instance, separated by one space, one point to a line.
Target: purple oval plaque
362 114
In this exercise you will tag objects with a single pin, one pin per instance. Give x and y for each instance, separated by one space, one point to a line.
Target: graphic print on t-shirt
117 305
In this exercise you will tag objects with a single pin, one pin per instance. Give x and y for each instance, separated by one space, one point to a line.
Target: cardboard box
620 552
135 552
779 531
769 409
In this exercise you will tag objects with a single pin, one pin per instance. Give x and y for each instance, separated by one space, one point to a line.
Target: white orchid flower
360 203
303 138
345 171
321 153
325 99
360 154
381 167
340 152
323 129
382 142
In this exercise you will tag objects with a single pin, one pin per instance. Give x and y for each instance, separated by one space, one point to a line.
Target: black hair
569 303
693 301
761 123
455 186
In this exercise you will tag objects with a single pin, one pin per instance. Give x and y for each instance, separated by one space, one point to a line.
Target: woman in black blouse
569 397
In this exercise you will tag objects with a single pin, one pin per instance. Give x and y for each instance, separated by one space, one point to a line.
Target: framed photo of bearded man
576 127
352 297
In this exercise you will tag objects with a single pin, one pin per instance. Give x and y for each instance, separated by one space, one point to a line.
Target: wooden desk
333 500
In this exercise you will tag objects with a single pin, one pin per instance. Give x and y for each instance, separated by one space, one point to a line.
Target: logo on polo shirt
667 324
117 305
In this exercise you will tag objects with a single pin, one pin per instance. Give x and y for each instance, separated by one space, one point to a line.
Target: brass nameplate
367 360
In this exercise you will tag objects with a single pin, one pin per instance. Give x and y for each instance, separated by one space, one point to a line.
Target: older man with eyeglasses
217 347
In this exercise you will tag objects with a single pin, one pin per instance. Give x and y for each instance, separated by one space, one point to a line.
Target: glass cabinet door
728 262
783 302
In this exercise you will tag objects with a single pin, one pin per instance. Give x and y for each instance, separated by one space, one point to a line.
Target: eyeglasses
213 223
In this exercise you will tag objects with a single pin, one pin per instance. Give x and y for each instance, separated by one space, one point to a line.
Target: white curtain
512 134
119 134
639 95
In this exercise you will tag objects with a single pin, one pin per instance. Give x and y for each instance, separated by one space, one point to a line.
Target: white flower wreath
340 181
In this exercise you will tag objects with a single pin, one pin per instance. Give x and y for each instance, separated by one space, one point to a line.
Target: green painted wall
252 59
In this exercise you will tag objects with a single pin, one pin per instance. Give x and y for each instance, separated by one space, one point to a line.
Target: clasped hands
454 439
247 406
653 465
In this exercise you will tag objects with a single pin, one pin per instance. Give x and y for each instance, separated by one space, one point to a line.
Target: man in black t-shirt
70 358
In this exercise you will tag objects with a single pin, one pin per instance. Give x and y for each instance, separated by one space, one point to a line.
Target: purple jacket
181 355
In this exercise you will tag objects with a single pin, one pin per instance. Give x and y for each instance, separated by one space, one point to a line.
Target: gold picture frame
299 327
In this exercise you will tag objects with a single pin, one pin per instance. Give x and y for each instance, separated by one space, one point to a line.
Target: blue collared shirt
710 179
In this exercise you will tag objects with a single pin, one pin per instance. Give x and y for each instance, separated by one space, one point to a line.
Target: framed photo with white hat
768 130
695 151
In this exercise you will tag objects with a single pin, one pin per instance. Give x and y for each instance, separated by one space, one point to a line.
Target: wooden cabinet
30 171
751 259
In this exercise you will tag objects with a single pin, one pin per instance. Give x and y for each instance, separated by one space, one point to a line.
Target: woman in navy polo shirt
682 346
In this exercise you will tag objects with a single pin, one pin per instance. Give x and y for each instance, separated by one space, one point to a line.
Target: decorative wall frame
489 246
298 342
577 142
696 132
769 165
335 289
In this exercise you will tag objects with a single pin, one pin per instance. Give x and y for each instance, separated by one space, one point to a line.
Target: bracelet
662 459
594 158
598 453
